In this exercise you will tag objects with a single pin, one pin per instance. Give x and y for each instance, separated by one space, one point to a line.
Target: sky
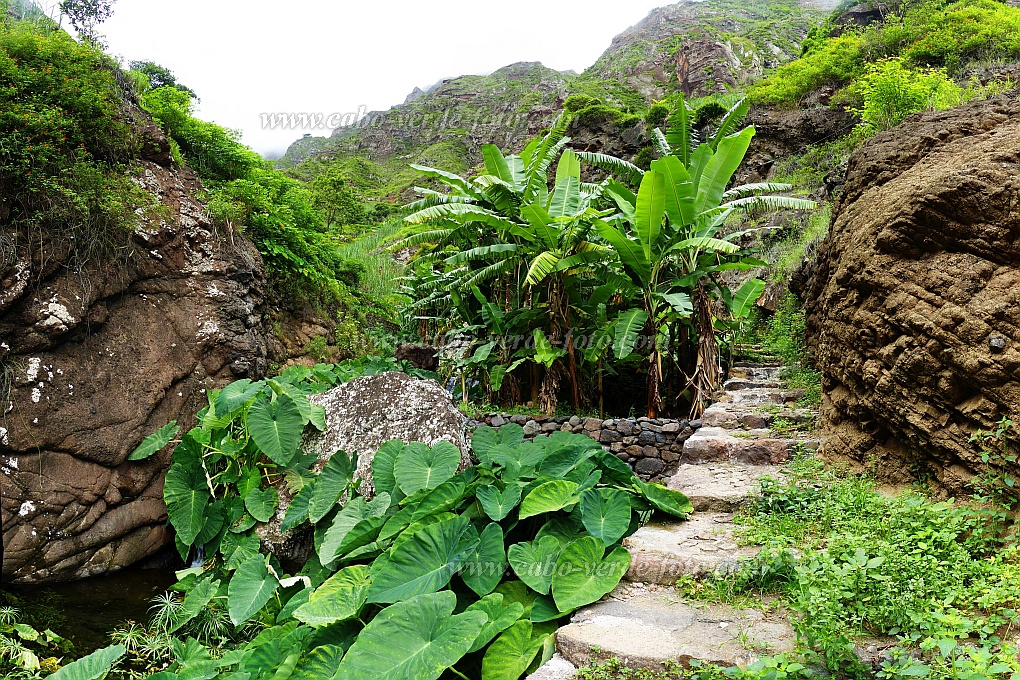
249 57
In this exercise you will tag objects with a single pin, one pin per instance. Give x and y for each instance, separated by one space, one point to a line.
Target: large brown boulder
96 357
914 310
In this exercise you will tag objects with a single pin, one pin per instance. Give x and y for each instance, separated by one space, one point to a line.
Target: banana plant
670 240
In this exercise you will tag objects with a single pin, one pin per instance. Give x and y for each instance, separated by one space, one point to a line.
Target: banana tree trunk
706 372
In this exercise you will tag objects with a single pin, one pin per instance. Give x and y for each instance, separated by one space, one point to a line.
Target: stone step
761 396
732 416
647 626
556 668
756 372
721 487
704 544
753 447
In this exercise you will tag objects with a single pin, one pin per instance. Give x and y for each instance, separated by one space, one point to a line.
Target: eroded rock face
365 413
95 358
914 309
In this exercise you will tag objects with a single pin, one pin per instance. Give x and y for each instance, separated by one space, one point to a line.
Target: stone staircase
750 432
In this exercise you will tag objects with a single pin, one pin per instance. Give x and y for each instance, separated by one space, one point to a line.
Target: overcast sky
247 57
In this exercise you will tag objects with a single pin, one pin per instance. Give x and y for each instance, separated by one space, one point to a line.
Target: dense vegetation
925 54
436 569
528 271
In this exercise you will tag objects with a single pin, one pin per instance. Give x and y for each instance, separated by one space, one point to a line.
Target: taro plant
427 568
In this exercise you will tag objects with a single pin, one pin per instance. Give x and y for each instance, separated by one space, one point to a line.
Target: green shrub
657 115
576 102
834 62
889 91
600 113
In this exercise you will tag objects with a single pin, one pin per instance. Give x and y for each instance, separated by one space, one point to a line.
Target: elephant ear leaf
276 428
155 442
261 503
186 496
511 654
419 639
497 505
250 588
500 616
95 666
420 467
606 514
338 599
383 464
484 567
549 497
583 575
330 485
666 500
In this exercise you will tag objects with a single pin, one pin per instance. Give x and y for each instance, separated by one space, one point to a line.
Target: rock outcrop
914 309
365 413
95 357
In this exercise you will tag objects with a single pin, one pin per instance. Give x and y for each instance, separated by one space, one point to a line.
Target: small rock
695 424
996 343
565 427
616 447
649 466
646 437
625 427
574 421
498 421
610 436
634 450
550 427
531 428
650 452
592 424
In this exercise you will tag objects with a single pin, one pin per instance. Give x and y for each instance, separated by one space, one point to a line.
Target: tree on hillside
86 15
160 76
338 201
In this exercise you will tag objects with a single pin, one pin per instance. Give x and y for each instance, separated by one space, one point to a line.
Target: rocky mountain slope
698 48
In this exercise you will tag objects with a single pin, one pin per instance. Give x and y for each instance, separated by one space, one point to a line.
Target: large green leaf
444 498
650 208
719 169
496 504
510 655
95 666
495 163
486 438
569 165
483 569
250 588
297 511
679 191
318 664
584 576
238 548
383 462
667 500
629 251
276 428
330 485
352 514
606 513
261 503
155 441
629 325
198 598
424 563
566 198
413 640
549 497
534 562
420 467
338 599
744 299
501 616
187 495
236 395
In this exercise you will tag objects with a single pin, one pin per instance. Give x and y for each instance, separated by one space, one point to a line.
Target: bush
889 91
835 62
576 102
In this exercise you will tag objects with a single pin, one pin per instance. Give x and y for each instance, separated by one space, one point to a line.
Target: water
85 612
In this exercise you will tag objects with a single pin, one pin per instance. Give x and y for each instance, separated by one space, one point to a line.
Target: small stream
85 612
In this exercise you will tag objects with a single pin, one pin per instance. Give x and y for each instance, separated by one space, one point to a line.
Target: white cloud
250 57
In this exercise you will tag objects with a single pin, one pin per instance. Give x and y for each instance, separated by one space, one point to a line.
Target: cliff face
699 48
95 357
913 310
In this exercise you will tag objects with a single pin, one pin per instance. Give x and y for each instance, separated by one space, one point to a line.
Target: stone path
750 432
